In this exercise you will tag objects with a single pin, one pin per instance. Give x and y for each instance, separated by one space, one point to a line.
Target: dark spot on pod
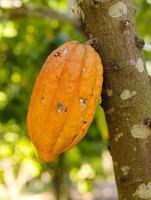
83 130
42 98
73 138
147 122
66 109
69 87
57 54
92 92
84 122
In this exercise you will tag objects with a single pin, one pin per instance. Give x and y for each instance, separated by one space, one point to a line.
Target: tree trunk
56 181
127 92
60 180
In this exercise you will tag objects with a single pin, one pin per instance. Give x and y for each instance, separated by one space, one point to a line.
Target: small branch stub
124 25
93 42
147 122
139 42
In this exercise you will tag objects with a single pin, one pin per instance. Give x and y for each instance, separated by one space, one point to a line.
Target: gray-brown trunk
127 92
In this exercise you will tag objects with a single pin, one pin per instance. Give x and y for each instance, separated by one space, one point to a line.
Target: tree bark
127 92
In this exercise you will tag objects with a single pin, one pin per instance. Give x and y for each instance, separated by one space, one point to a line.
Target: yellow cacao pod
64 99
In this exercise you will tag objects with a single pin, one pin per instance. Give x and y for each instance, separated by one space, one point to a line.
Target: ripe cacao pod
64 99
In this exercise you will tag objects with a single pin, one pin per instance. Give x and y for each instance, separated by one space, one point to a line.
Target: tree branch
32 10
127 99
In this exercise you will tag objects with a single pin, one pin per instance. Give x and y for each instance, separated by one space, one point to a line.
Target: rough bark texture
127 93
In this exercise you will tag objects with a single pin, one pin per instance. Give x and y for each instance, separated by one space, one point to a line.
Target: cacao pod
64 99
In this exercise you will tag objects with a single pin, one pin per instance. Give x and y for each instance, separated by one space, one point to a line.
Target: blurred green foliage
24 45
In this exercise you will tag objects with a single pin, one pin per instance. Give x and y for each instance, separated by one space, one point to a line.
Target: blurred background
29 31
